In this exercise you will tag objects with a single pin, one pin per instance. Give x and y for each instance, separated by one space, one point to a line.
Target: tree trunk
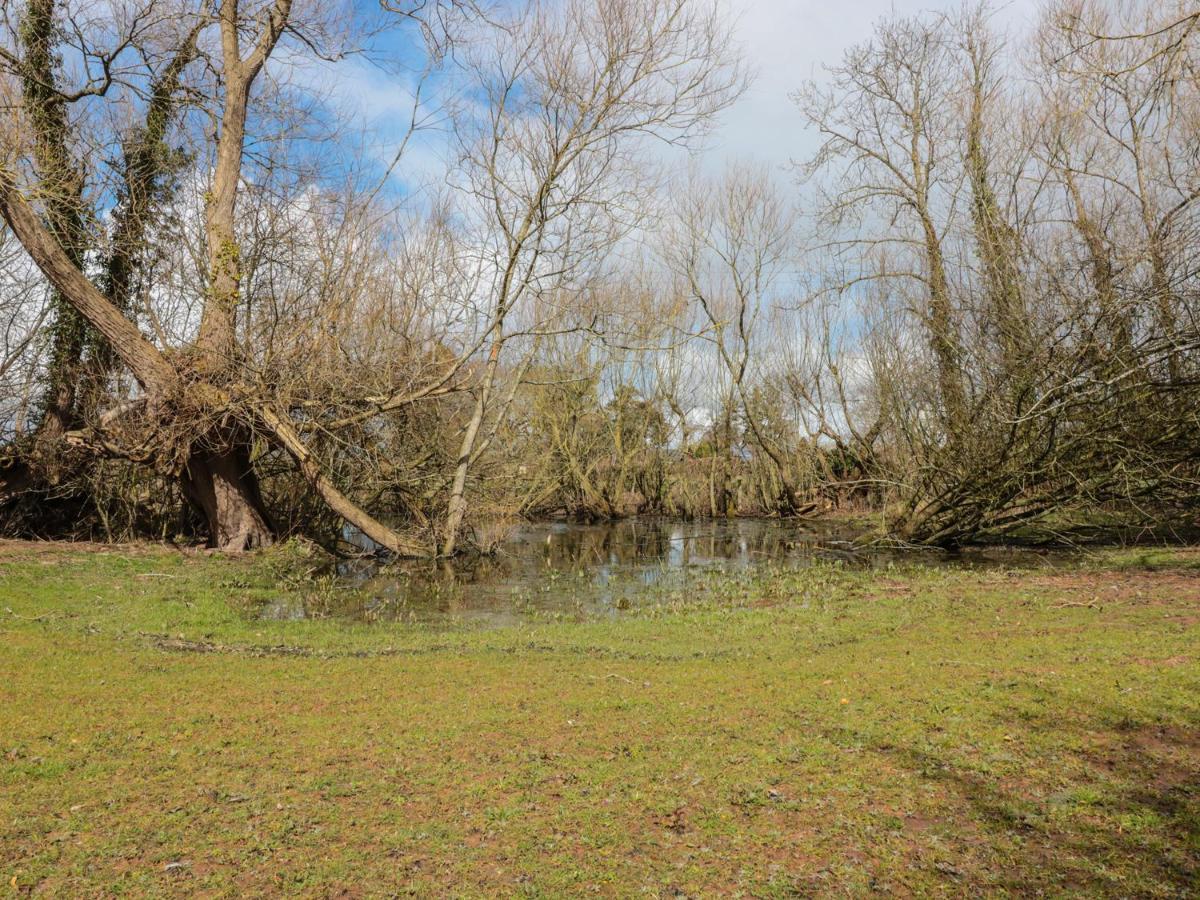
217 340
787 500
997 241
222 481
222 485
62 189
457 508
1114 319
943 334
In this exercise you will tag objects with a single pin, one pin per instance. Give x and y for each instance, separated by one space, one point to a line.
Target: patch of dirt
51 551
675 821
1123 587
1169 662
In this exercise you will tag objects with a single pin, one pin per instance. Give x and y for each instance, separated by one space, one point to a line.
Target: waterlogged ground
790 732
571 570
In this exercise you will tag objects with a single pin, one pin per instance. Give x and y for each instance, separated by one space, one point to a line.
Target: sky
784 42
787 42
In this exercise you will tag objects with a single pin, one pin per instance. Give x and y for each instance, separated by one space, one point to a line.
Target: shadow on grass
1121 819
1113 809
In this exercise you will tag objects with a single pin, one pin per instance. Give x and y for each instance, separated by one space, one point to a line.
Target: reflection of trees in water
635 542
568 566
530 562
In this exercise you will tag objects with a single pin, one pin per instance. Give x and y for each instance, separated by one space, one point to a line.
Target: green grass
915 732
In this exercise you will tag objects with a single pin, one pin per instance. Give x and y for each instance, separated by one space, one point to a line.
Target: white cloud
381 105
787 42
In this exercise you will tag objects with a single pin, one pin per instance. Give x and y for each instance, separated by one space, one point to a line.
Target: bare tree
556 161
732 250
886 119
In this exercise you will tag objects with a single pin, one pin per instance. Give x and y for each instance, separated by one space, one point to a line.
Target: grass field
826 732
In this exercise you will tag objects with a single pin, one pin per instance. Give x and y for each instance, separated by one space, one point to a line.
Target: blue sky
784 42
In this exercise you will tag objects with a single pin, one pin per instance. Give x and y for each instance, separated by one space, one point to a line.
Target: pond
580 570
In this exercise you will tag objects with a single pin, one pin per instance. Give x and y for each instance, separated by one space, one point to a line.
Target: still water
582 570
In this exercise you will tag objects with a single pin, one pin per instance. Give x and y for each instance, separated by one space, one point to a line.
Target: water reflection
601 569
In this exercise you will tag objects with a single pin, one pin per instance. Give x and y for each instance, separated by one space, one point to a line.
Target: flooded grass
573 571
761 731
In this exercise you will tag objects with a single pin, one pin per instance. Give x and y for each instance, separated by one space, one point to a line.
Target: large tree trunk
998 242
943 334
62 189
221 483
